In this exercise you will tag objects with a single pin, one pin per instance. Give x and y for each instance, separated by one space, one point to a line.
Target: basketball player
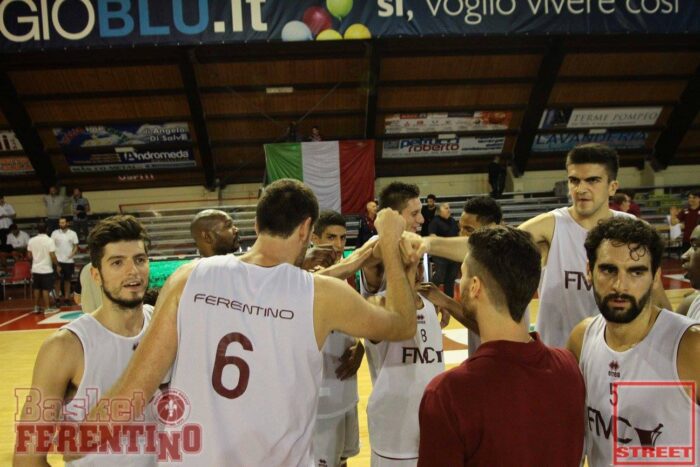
565 294
405 199
244 335
517 401
400 372
90 353
633 341
214 233
337 433
690 306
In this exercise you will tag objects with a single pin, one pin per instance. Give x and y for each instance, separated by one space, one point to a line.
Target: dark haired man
78 363
337 431
214 233
690 306
481 412
632 341
66 241
263 315
565 294
481 211
443 225
689 216
428 212
41 251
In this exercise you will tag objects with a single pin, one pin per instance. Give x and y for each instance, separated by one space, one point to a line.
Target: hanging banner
121 134
447 122
443 147
18 165
608 117
562 142
53 24
9 142
130 159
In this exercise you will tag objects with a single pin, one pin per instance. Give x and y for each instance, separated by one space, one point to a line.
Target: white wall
440 185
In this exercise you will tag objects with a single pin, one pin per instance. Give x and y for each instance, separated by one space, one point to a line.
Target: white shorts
379 461
336 439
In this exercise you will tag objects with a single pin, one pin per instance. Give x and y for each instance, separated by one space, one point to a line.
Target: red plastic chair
21 275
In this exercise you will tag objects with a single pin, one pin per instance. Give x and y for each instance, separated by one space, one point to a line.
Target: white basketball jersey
105 357
648 414
335 396
400 372
694 310
248 362
566 297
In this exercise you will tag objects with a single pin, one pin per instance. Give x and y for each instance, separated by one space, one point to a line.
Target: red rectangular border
693 398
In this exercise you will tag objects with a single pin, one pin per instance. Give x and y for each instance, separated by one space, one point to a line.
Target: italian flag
341 173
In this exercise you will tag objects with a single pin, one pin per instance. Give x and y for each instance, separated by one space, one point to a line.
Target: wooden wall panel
629 92
643 63
331 128
455 67
96 79
453 96
275 72
240 156
691 140
3 120
97 111
298 101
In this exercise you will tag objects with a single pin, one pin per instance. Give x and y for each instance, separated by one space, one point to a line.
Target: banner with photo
15 165
562 142
442 147
135 134
59 24
604 117
479 120
9 142
128 158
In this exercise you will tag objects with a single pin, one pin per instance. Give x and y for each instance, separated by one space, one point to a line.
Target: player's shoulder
575 342
690 341
540 224
62 348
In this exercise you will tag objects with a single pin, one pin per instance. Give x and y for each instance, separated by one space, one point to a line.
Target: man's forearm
452 248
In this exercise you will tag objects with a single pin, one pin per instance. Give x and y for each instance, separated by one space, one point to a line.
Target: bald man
214 233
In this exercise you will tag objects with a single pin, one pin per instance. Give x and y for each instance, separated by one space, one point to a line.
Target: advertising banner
562 142
447 122
608 117
9 142
442 147
58 24
18 165
121 134
128 158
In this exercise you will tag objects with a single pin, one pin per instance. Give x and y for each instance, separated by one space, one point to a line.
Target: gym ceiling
237 96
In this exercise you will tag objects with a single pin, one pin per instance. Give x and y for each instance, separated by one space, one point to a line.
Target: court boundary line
15 319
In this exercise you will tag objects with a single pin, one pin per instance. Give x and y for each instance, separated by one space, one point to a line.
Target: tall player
337 435
565 294
690 306
84 358
633 341
214 233
243 335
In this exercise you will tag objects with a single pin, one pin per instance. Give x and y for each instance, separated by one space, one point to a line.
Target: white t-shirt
6 210
20 241
41 248
65 241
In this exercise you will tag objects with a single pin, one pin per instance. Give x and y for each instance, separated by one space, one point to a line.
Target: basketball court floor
21 335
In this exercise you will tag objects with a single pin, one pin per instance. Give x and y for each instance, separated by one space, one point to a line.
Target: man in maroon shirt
516 401
688 216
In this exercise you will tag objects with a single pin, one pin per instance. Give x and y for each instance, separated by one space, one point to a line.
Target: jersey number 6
222 360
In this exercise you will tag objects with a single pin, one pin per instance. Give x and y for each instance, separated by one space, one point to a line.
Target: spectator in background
66 241
634 207
292 135
315 134
214 233
7 213
497 177
54 203
688 216
16 245
367 229
81 210
443 225
620 202
428 213
41 250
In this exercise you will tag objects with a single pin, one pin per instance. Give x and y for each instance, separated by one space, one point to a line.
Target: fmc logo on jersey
646 446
